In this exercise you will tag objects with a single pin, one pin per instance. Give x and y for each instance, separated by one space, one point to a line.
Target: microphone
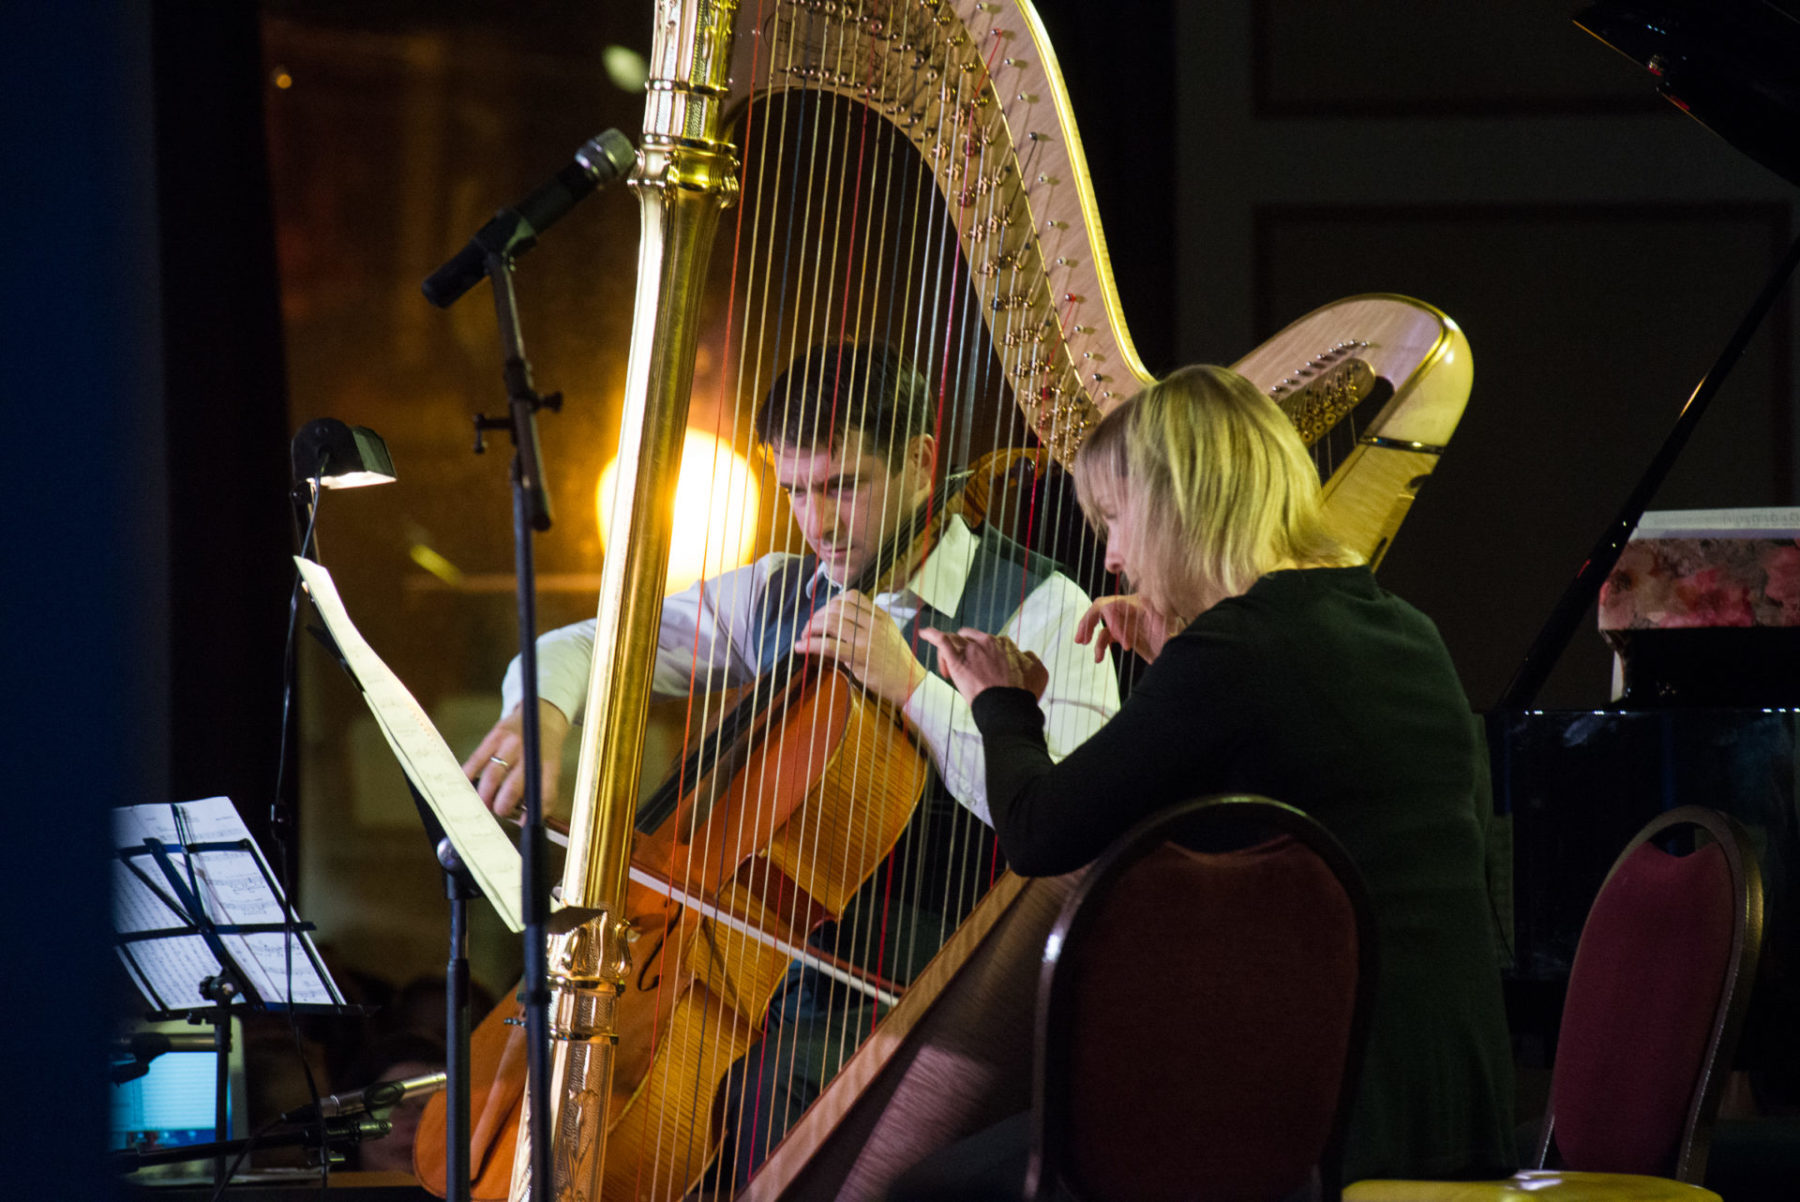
599 162
381 1096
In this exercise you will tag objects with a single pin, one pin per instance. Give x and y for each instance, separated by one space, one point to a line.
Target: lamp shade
341 456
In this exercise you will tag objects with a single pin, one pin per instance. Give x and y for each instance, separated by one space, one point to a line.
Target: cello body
776 858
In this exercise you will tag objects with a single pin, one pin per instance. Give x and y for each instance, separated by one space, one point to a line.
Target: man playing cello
846 430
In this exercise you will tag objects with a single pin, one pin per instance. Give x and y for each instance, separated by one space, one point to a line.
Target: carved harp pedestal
908 171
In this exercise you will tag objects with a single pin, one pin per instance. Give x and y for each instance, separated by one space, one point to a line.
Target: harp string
957 347
933 313
788 101
845 323
866 240
726 417
757 1123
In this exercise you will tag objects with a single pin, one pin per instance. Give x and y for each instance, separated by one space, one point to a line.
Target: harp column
685 177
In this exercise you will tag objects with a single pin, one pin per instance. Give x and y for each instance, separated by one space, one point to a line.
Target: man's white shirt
709 639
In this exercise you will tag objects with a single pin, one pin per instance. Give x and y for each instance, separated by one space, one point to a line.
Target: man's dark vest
943 860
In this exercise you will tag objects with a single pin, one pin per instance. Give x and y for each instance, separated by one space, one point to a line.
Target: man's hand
497 766
864 640
1124 621
975 662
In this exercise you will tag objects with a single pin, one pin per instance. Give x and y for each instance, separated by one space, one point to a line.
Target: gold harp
957 108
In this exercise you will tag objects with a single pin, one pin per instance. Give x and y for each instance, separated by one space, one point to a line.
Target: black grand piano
1709 717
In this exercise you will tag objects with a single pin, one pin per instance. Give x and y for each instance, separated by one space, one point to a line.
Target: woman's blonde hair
1221 488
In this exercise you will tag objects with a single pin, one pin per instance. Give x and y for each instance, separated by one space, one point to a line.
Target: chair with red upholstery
1202 1012
1656 998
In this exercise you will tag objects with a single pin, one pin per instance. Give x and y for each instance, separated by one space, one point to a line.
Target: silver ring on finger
494 759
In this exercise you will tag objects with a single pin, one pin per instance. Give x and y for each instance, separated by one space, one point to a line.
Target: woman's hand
975 662
1124 621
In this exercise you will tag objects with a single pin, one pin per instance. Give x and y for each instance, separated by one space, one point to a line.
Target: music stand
204 931
477 857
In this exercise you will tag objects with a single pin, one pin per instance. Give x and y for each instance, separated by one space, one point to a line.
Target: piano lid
1732 65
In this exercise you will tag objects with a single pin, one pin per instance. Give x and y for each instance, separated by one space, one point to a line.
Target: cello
907 170
819 781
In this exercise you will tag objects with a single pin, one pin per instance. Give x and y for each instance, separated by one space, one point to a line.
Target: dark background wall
87 568
1596 246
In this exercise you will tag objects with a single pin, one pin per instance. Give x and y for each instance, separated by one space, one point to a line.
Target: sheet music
427 761
235 888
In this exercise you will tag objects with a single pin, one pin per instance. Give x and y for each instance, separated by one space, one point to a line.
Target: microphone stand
459 889
219 990
531 511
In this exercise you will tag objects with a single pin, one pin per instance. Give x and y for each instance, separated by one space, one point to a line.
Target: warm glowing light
625 67
283 80
435 563
715 510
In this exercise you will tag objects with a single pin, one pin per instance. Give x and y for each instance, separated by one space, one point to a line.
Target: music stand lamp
328 453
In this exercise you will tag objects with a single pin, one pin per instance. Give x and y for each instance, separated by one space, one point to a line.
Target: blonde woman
1278 666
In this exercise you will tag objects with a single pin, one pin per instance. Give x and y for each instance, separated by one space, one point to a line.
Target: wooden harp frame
976 85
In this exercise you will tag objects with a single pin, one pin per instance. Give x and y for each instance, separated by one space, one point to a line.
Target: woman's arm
1173 739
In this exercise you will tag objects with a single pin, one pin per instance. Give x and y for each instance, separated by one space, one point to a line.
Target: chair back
1202 1009
1656 998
